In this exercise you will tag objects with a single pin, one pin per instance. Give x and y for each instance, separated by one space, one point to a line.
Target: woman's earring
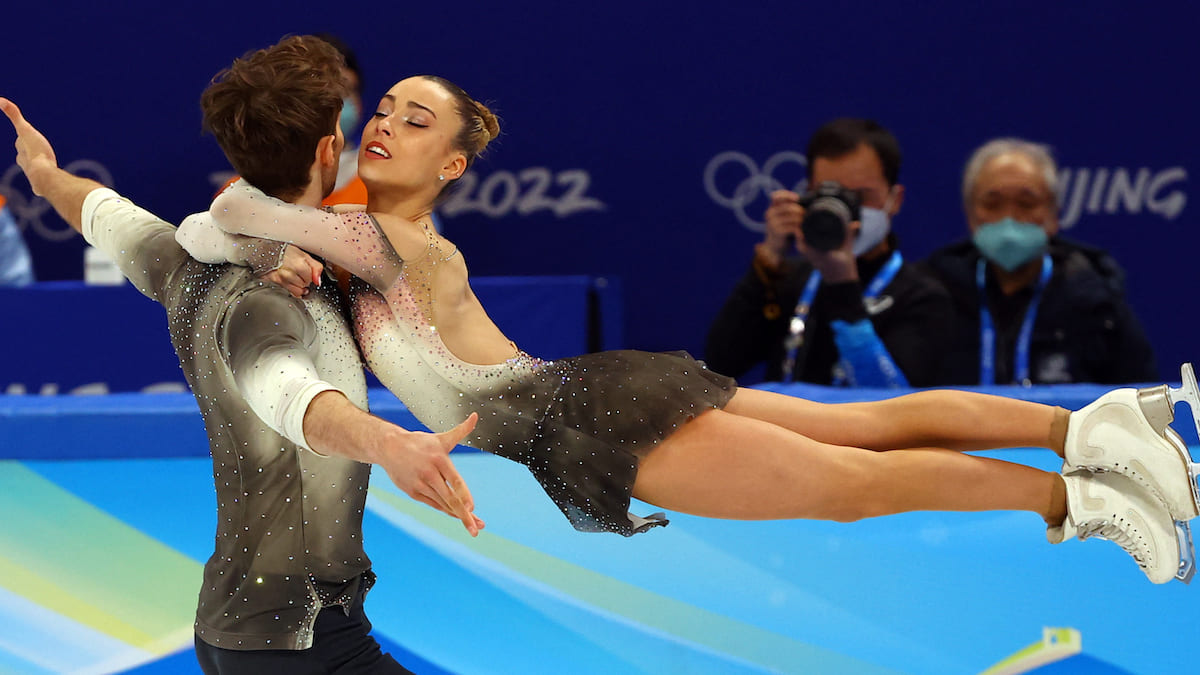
441 177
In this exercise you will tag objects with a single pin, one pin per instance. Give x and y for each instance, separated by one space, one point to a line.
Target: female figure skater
600 428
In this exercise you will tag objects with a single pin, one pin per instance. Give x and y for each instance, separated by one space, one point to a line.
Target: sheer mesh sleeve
349 240
204 241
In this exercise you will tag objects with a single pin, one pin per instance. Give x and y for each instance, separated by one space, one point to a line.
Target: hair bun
489 123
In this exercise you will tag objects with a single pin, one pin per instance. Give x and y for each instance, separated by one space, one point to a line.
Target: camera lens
828 211
825 222
823 231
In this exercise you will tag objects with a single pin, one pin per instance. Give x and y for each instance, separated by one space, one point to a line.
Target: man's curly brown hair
271 107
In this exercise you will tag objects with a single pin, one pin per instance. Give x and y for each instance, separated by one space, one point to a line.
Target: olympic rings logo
750 182
29 211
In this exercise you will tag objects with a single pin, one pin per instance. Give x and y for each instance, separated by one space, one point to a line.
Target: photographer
848 310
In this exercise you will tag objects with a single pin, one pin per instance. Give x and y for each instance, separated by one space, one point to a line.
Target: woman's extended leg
726 466
722 465
1124 431
956 420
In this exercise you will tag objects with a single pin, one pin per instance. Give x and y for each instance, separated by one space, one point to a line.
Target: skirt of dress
578 423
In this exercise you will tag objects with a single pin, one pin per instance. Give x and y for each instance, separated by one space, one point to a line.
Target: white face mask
875 227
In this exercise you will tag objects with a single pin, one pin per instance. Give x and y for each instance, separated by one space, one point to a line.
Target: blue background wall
626 105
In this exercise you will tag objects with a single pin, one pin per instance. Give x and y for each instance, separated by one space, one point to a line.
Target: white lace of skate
1103 529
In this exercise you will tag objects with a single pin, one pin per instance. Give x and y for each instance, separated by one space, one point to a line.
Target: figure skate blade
1187 553
1187 392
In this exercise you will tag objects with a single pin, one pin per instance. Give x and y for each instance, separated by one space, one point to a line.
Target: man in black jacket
1030 306
857 315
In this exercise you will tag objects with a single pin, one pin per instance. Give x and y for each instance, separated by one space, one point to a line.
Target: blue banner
103 339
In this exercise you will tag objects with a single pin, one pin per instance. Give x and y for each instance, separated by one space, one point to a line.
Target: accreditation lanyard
987 330
795 336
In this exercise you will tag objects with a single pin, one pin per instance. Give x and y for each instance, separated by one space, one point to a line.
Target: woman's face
406 143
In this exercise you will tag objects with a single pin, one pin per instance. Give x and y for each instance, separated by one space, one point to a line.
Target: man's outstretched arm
124 231
35 156
418 462
271 344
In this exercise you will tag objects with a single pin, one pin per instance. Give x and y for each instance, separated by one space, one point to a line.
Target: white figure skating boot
1113 507
1125 431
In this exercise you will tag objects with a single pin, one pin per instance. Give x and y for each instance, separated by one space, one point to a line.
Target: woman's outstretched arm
350 240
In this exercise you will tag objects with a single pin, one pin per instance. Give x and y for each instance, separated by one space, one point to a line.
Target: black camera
828 211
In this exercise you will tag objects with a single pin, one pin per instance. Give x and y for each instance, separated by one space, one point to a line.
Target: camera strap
796 327
987 329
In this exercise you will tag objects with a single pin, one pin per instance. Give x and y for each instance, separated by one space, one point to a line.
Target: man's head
860 155
272 109
1011 178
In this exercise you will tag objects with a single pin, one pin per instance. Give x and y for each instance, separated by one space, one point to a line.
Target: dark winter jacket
909 317
1084 330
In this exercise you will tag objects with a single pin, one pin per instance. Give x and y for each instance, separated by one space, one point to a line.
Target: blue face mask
1010 243
349 119
875 227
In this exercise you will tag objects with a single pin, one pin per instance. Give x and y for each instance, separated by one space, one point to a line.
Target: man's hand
836 265
34 153
784 235
35 156
783 228
296 272
419 464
